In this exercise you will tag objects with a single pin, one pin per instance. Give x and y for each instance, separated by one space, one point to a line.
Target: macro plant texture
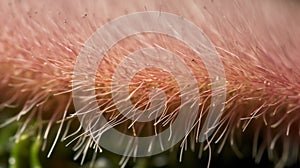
159 83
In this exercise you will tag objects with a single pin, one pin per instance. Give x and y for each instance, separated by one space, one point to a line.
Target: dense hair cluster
257 42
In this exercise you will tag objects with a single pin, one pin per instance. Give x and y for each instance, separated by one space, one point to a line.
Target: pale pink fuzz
258 43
